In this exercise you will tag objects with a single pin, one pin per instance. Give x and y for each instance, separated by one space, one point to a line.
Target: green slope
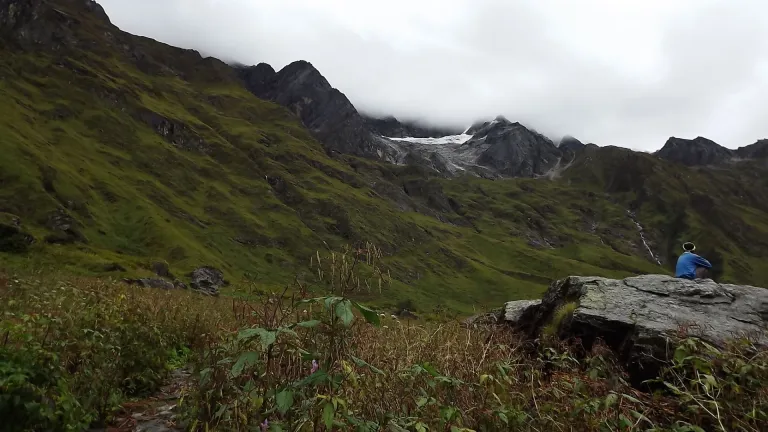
147 152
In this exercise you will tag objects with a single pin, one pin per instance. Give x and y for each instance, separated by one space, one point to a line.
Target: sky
629 73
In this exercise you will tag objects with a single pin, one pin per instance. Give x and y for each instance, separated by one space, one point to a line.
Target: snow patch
450 139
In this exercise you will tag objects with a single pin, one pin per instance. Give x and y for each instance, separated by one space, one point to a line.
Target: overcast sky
614 72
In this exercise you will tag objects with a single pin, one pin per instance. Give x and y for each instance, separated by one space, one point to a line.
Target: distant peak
694 152
699 140
570 143
300 65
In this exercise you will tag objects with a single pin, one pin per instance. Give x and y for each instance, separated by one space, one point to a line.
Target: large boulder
642 317
207 280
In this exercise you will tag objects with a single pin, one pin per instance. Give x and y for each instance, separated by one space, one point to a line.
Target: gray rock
514 310
65 228
207 280
175 132
642 317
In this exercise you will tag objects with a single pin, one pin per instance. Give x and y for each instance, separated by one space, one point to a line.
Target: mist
628 73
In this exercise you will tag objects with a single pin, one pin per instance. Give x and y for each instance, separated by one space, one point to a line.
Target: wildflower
315 366
264 426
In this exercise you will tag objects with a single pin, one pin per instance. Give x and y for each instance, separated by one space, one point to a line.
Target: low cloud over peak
630 73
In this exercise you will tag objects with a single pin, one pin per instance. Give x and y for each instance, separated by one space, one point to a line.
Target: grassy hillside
118 151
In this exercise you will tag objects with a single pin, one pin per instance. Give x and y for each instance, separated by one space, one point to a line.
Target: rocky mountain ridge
497 148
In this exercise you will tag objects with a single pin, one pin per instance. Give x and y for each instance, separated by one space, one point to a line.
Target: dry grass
91 344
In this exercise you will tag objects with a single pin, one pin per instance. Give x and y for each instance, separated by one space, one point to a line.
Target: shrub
72 350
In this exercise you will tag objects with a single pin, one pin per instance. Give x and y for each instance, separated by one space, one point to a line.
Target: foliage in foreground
72 351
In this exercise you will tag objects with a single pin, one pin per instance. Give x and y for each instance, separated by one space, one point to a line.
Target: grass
560 317
302 362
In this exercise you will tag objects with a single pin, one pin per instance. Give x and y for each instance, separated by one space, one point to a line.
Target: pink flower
264 426
315 366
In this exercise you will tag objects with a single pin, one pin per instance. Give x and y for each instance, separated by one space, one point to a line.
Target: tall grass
73 350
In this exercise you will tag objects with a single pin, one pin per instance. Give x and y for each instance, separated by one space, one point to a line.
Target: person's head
689 247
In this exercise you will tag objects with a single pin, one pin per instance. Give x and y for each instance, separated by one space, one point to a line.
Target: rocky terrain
641 318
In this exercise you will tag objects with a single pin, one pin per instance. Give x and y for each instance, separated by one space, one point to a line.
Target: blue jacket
687 264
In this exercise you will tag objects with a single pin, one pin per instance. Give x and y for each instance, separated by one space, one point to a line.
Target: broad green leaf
680 355
330 301
328 415
431 369
611 400
267 337
363 363
284 401
308 324
344 312
369 314
314 379
246 360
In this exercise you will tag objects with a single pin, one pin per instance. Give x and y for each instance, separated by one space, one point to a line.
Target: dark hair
688 246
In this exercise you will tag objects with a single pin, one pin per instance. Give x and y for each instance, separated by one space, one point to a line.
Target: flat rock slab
642 317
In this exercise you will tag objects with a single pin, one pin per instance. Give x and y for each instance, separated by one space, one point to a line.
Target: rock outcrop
695 152
65 229
642 317
207 280
12 238
324 110
758 150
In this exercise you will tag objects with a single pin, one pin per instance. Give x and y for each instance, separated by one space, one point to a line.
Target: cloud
629 73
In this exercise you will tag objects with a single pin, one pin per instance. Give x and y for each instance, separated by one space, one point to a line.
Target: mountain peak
695 152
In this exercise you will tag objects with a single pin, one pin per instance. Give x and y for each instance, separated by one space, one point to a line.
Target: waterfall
642 236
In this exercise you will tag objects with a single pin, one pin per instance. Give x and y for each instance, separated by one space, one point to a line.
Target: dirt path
155 414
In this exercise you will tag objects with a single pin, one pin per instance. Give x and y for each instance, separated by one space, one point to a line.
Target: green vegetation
299 362
561 316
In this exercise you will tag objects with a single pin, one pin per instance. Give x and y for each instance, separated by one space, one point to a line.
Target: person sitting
690 265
